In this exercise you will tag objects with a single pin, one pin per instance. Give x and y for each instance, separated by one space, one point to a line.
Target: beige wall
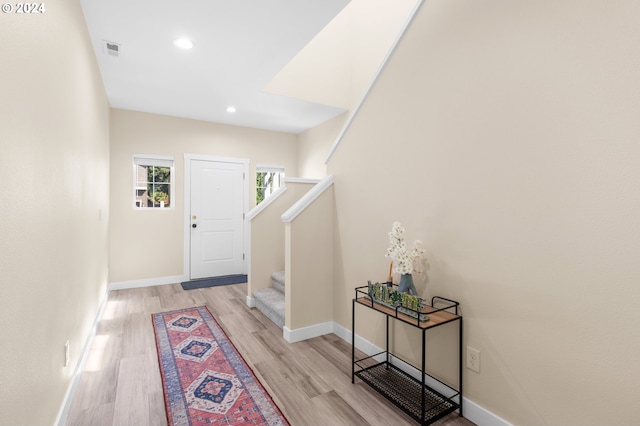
267 236
505 136
54 212
136 236
338 65
314 145
309 264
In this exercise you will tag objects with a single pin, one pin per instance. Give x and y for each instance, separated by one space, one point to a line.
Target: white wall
149 244
505 136
54 214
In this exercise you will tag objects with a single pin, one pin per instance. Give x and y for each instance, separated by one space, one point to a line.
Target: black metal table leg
423 371
353 340
387 348
461 367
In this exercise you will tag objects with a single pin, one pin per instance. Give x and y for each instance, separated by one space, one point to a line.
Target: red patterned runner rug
205 380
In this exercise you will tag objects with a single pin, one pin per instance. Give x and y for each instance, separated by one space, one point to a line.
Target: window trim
157 161
269 168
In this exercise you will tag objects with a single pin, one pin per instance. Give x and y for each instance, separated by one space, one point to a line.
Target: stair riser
278 286
271 303
269 312
277 280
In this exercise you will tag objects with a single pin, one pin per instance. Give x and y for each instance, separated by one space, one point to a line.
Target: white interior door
217 218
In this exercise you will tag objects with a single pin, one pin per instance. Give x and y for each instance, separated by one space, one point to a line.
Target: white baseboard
362 344
148 282
482 416
305 333
251 302
472 411
61 418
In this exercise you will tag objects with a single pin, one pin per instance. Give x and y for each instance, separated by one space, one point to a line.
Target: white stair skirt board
251 302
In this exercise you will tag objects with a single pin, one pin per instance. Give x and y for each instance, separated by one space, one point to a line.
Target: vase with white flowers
404 260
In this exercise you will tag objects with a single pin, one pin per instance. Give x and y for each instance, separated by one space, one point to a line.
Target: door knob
194 226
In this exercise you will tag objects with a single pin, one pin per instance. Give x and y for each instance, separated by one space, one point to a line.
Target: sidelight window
268 179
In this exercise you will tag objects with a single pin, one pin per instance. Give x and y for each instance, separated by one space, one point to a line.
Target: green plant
159 196
396 297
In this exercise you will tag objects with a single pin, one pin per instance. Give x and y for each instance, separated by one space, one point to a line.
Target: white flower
404 260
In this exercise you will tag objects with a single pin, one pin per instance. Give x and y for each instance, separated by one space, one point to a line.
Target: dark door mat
214 281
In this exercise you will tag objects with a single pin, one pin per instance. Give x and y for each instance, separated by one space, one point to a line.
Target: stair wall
266 253
309 264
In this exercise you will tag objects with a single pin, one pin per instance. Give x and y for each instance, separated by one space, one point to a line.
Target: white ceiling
240 46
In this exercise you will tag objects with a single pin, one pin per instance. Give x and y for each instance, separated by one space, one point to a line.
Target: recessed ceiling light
183 43
231 109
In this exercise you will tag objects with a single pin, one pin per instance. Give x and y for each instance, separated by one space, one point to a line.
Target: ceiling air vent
111 48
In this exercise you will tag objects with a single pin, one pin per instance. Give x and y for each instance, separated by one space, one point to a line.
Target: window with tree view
153 182
268 179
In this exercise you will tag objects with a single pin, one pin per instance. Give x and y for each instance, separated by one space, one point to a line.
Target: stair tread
271 303
278 275
269 291
277 279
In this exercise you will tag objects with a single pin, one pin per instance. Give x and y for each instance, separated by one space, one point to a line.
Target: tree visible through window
268 179
153 185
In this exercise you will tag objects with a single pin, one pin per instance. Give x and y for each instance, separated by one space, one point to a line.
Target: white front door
216 218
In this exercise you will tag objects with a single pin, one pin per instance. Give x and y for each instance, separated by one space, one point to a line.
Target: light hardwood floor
310 380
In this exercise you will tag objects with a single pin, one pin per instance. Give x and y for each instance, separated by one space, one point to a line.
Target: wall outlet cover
473 359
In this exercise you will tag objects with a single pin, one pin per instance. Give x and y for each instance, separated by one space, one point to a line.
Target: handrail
274 196
307 199
265 203
374 80
300 180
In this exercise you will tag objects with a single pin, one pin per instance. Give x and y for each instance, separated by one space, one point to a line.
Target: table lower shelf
406 392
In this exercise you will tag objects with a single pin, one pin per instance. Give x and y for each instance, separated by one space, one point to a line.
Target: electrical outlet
66 353
473 359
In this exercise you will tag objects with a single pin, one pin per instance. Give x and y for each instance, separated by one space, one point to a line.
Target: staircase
270 301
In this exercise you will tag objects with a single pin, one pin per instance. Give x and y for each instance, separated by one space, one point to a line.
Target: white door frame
187 206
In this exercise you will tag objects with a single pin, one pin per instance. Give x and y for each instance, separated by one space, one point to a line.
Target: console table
426 402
